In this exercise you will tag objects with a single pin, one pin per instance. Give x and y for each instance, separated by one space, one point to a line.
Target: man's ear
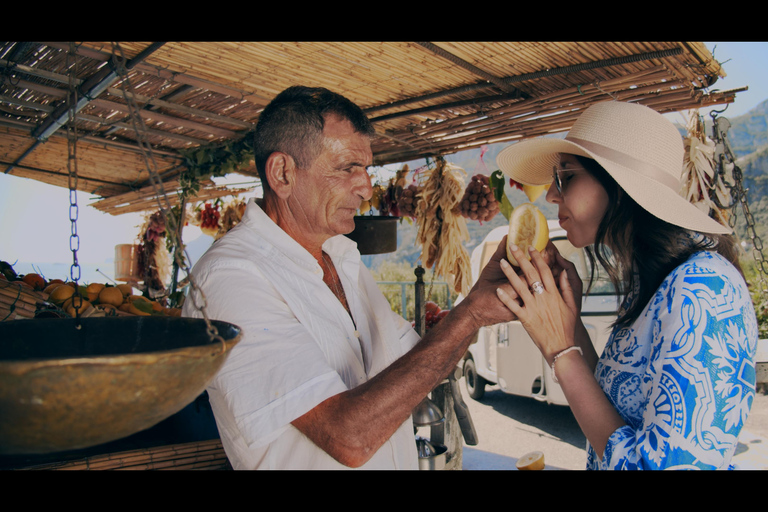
281 174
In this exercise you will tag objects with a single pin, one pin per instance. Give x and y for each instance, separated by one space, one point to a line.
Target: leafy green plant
759 298
218 160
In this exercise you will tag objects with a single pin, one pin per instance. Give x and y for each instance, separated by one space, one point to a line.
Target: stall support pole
447 433
176 250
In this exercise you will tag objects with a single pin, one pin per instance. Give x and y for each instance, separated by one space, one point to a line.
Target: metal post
419 312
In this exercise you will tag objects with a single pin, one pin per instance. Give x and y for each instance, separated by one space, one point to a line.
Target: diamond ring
537 288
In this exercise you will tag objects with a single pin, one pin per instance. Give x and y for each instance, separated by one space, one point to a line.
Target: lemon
110 295
527 227
534 191
126 289
532 461
48 289
93 290
61 293
73 311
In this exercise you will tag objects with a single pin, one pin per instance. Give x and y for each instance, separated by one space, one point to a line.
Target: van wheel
475 383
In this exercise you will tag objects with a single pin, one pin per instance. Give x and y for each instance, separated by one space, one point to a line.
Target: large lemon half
527 227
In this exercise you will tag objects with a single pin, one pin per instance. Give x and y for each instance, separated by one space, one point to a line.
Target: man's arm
353 425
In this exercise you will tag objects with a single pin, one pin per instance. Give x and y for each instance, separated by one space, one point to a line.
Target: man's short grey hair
293 123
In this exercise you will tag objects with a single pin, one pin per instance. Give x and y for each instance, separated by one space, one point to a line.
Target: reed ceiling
424 98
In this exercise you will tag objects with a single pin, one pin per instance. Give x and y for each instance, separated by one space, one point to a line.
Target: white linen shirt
299 344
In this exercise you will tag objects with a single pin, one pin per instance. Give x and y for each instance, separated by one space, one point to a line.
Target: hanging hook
714 113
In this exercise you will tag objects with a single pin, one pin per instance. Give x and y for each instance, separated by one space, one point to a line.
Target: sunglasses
558 180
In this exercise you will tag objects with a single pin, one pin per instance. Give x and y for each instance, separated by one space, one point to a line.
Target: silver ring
537 288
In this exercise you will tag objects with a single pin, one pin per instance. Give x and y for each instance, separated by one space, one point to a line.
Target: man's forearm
353 425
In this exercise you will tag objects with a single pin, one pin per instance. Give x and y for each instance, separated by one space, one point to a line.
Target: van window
602 284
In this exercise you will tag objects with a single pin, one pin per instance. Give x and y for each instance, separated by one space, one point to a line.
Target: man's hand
351 426
485 305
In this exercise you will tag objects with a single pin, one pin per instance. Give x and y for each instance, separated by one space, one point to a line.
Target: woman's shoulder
707 263
711 274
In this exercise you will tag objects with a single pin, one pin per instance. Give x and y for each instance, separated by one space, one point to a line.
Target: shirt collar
339 248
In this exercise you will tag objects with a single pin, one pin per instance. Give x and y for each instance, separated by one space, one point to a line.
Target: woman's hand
551 317
547 308
558 264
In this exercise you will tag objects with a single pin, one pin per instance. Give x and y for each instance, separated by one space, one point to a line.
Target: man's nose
364 188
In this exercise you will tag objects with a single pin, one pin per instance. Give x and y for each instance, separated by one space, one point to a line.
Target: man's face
330 191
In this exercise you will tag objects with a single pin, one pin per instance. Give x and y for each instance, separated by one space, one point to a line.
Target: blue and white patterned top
683 375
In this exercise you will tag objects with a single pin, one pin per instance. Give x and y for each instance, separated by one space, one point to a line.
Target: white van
504 354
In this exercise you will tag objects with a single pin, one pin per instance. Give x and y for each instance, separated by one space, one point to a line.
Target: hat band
644 168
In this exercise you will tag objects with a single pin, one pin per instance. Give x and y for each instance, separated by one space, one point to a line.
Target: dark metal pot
375 234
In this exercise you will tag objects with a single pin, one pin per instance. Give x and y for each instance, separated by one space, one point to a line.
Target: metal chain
74 238
726 157
181 256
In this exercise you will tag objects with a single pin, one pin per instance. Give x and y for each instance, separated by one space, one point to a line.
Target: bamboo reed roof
424 98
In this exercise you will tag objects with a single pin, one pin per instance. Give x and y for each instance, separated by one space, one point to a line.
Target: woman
676 380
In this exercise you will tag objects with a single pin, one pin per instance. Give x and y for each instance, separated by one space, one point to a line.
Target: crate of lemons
99 299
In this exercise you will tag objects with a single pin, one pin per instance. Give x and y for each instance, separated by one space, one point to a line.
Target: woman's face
581 204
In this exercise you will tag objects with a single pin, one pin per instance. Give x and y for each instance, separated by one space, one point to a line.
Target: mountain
754 168
748 138
748 132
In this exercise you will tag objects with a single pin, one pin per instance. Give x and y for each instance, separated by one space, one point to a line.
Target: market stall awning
425 99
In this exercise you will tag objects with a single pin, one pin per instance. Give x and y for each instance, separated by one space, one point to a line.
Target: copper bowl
66 388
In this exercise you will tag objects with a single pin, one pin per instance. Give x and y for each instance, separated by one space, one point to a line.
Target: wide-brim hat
637 146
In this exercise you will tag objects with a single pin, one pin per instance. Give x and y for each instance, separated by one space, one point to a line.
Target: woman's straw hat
639 148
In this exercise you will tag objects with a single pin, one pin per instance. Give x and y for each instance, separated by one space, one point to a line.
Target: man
326 375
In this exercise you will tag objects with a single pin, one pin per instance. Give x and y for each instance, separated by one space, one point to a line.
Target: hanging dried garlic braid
441 232
700 180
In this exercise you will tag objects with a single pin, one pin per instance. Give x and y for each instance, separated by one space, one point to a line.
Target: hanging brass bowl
64 388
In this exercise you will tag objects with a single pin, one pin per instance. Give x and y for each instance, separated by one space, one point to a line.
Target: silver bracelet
554 377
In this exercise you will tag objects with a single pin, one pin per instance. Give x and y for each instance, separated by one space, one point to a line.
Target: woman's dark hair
638 250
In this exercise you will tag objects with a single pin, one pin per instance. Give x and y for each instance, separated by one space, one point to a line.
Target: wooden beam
171 76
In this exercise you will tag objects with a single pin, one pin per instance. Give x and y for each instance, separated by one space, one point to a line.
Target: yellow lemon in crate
532 461
126 289
110 295
73 311
93 290
527 227
61 293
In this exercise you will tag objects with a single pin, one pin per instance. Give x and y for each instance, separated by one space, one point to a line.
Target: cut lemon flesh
532 461
527 227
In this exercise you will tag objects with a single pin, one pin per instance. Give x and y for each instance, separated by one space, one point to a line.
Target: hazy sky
746 64
35 217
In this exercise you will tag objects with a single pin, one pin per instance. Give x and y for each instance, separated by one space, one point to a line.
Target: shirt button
357 334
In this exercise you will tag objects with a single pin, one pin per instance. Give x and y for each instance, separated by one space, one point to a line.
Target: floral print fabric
683 375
